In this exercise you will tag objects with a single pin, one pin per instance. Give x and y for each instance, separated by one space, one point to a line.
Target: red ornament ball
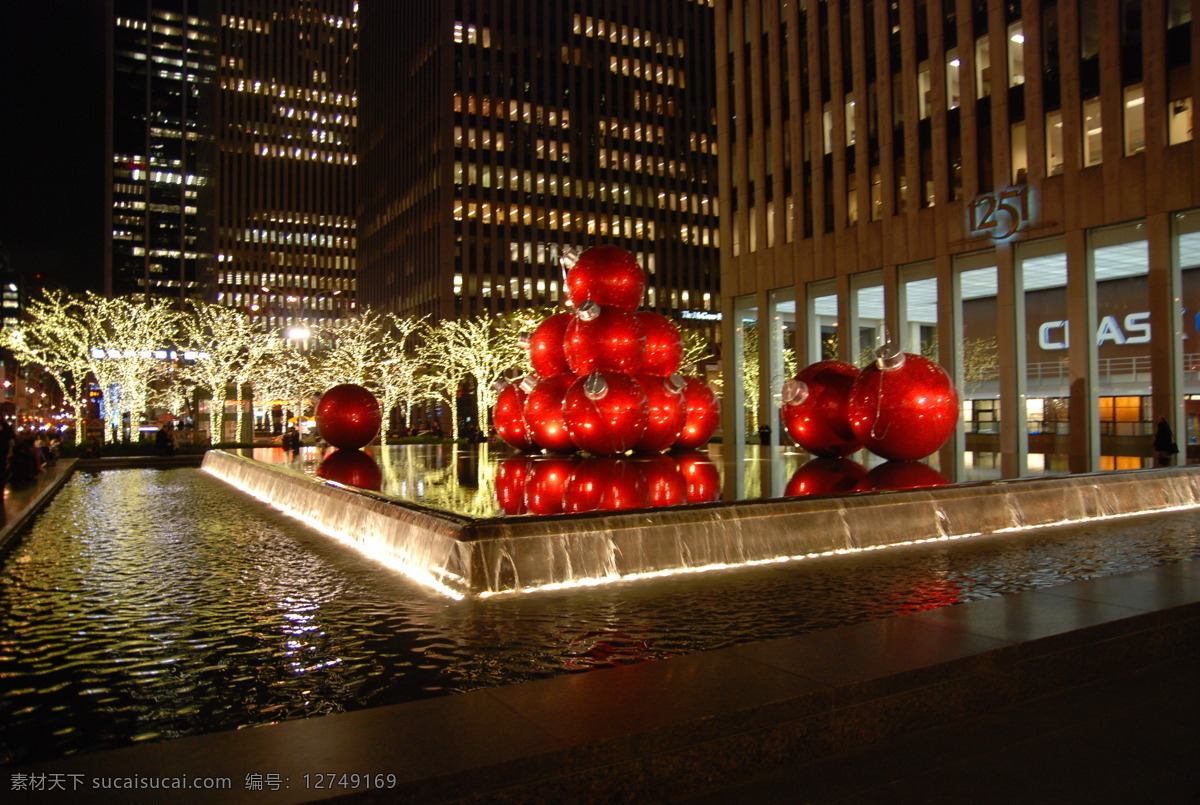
826 476
508 416
902 407
901 475
604 339
606 413
546 345
608 275
814 409
667 412
352 468
701 475
544 414
703 414
664 344
348 416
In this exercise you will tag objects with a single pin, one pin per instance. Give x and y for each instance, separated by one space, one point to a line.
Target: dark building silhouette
496 135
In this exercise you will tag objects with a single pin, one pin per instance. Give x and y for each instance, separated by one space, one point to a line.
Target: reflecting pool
150 604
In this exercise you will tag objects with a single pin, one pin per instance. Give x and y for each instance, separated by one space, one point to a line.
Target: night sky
52 141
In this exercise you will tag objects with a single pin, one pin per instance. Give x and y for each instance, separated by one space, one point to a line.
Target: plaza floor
1084 692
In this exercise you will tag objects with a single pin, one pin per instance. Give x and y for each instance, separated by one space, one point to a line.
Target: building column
1084 441
1166 326
1010 337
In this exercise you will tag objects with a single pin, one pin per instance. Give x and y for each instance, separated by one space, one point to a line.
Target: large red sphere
609 276
664 344
605 484
701 475
905 410
901 475
544 414
665 484
606 413
511 477
816 417
826 476
703 414
546 345
348 416
352 468
667 412
613 341
547 481
509 418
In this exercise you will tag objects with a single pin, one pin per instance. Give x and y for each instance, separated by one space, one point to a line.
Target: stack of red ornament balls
902 407
606 375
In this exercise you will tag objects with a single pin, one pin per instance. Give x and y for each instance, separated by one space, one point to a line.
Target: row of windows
654 166
297 238
306 154
647 71
590 223
511 109
627 35
298 93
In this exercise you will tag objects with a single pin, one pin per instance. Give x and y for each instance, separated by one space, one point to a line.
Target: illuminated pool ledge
462 557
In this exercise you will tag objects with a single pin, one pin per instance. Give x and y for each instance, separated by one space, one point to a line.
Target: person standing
7 438
1165 448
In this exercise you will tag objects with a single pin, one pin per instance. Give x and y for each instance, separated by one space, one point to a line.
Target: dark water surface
151 604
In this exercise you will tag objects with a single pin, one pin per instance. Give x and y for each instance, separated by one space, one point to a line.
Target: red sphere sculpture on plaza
544 415
701 476
511 477
604 339
546 345
509 417
665 484
902 407
703 414
664 344
348 416
608 275
605 484
547 481
900 475
826 476
606 413
351 468
814 409
667 412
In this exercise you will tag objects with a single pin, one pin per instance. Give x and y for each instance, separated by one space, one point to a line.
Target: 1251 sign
1000 214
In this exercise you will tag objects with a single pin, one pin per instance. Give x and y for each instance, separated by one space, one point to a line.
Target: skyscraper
161 60
496 135
285 133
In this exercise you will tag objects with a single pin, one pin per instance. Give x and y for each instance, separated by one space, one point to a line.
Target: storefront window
781 351
867 334
1187 256
822 322
747 372
918 310
977 369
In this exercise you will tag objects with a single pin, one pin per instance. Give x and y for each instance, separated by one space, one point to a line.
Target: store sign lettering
1000 214
1133 329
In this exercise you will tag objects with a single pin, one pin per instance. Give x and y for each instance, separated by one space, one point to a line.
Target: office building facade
161 64
496 136
285 133
1009 188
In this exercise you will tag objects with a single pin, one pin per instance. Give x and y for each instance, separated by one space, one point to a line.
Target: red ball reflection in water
508 415
544 413
546 484
826 476
348 416
665 484
701 475
511 478
608 275
605 484
901 475
703 414
546 345
352 468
